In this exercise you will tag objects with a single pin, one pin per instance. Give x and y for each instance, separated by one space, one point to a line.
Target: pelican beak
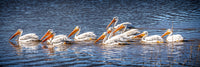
49 37
140 35
17 33
47 34
119 28
166 33
74 31
114 20
101 37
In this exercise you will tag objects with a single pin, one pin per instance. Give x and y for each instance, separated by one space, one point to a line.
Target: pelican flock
117 34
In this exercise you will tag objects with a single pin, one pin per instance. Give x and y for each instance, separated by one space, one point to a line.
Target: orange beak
73 32
140 35
49 37
101 37
119 28
17 33
166 33
47 34
114 20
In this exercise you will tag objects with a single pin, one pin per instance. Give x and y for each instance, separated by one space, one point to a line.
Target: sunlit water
62 16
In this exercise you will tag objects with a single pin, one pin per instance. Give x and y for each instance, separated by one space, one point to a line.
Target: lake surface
62 16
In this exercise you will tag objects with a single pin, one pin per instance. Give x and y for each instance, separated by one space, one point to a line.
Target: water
62 16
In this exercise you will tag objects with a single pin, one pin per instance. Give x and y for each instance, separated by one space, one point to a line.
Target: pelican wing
174 38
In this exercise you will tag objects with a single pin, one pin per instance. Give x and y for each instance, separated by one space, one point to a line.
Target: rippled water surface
62 16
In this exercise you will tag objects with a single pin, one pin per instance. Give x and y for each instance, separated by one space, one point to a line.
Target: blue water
62 16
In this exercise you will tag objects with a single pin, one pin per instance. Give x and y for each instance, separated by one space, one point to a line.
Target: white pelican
58 39
118 39
82 37
31 37
109 30
172 38
149 39
115 40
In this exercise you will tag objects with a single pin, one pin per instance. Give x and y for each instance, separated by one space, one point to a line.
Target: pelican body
149 39
31 37
82 37
171 37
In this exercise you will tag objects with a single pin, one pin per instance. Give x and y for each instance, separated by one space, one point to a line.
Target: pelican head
145 33
47 33
51 35
115 19
169 31
19 32
74 31
101 37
